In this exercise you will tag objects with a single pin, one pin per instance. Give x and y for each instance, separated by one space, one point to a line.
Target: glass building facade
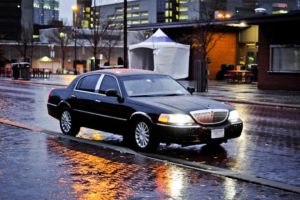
45 11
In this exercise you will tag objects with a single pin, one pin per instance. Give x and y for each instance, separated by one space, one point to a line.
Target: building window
183 9
168 13
136 7
135 15
119 9
285 58
144 21
144 14
183 17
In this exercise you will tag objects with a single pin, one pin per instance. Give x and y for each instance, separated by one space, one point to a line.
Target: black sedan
147 108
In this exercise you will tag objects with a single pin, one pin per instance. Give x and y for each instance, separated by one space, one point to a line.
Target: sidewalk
249 94
219 90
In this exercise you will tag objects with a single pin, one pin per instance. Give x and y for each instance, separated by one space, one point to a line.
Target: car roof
124 72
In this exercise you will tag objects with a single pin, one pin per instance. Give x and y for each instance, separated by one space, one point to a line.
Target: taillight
50 94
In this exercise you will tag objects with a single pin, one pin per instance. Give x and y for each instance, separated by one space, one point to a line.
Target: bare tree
207 33
25 43
104 33
110 39
61 36
205 36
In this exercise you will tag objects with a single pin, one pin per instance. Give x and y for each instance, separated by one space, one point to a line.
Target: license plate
217 133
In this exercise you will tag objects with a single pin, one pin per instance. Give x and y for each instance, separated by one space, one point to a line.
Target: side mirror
191 89
113 93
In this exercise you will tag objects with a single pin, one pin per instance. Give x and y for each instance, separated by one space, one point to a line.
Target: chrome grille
210 116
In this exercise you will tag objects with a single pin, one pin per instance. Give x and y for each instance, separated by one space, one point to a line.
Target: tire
68 124
143 138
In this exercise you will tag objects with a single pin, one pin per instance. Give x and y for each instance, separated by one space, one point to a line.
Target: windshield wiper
171 94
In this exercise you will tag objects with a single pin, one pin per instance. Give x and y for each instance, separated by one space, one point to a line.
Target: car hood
182 103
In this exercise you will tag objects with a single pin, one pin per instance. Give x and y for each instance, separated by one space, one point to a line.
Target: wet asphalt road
37 166
268 148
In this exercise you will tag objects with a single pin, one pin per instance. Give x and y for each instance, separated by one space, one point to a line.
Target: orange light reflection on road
94 177
171 180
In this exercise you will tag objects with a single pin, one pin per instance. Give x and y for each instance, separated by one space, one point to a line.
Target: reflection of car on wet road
145 107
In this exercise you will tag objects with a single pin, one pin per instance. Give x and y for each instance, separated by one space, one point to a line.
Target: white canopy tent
161 54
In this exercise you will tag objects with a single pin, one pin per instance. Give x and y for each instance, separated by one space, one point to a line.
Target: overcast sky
65 13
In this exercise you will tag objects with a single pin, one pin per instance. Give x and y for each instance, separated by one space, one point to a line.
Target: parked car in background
147 108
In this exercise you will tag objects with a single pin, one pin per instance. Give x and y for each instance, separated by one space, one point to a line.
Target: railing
43 73
40 73
239 76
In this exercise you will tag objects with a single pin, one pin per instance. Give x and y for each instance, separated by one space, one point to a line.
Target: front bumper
196 134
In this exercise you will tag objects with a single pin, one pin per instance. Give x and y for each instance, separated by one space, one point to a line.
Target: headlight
178 119
234 116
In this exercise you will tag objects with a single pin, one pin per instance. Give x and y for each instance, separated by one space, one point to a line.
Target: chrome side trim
51 104
87 92
141 113
178 126
65 102
100 115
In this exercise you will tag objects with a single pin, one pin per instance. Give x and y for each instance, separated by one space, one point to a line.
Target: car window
88 83
152 85
108 83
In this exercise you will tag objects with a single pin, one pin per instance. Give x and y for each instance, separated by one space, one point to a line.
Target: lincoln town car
145 107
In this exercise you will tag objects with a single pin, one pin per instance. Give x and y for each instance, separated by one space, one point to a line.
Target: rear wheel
68 123
144 139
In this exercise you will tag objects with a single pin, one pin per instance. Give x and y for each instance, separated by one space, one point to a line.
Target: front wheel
67 123
144 139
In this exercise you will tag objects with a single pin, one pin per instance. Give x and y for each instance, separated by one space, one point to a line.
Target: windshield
152 85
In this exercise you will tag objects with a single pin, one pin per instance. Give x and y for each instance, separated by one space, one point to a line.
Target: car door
115 111
84 98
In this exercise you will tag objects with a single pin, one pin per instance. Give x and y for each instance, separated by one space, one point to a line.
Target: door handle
73 96
98 101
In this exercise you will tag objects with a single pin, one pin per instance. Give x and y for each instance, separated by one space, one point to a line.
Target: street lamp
75 11
63 38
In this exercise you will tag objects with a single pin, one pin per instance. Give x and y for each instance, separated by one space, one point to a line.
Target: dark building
84 13
279 51
16 18
10 19
45 11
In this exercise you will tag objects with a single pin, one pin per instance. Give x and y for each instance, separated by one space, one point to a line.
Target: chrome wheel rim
66 122
142 134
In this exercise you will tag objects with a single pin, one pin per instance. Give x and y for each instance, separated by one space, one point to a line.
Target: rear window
88 83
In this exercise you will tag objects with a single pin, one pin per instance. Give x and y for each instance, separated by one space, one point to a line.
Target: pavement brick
37 166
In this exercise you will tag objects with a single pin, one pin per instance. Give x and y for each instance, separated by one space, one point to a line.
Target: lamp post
52 54
75 10
125 33
63 38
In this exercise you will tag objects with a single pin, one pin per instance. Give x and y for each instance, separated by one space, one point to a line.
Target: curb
226 173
